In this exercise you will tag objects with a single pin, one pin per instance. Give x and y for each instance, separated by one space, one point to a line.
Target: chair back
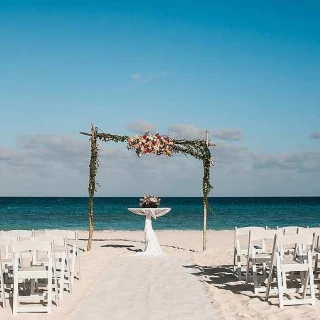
57 240
22 234
6 246
297 241
317 232
69 234
244 231
31 245
241 236
31 248
257 235
300 238
291 229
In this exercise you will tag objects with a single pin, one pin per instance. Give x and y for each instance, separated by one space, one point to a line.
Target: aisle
142 288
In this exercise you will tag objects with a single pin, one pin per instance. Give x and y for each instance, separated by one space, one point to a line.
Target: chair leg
284 280
73 266
49 306
32 286
304 283
316 267
239 267
2 288
269 284
15 296
312 289
247 271
78 265
280 288
69 275
56 288
61 284
255 277
264 270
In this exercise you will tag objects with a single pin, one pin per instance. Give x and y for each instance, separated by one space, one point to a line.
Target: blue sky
248 71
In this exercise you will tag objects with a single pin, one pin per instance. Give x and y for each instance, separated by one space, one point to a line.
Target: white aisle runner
146 288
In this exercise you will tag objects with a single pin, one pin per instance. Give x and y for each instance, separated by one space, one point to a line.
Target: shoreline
125 230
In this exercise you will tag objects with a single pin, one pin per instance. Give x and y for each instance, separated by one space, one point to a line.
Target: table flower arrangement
150 201
149 143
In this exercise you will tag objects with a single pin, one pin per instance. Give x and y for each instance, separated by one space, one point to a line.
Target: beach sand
231 299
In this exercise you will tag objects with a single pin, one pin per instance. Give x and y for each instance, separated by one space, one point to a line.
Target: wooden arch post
93 167
204 236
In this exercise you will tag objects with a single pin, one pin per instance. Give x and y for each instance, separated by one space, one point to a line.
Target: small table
151 242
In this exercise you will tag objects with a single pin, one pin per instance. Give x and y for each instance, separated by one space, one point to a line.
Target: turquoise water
186 213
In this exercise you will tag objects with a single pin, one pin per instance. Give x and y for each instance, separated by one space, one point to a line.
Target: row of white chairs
271 254
241 236
28 255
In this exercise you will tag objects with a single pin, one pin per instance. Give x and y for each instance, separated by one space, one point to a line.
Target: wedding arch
151 144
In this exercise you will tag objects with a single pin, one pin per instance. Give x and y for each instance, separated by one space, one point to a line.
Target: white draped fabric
152 246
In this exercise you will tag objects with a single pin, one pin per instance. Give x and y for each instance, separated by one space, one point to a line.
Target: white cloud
186 131
303 162
231 154
315 135
228 134
141 127
7 154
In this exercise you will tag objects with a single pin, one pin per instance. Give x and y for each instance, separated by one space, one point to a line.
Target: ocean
186 213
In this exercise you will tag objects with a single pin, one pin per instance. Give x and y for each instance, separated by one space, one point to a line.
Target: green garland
111 137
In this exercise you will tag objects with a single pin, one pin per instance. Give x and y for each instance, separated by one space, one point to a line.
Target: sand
230 299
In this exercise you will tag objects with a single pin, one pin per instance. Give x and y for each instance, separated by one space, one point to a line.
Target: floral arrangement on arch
150 201
149 143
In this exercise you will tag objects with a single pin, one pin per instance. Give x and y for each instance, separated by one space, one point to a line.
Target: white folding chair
6 259
62 268
281 265
74 252
258 260
24 270
316 256
241 236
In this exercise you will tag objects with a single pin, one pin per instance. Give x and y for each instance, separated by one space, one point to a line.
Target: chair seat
33 272
261 258
6 263
59 249
292 265
244 250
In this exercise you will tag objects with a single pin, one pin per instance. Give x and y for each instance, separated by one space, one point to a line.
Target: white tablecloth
152 246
